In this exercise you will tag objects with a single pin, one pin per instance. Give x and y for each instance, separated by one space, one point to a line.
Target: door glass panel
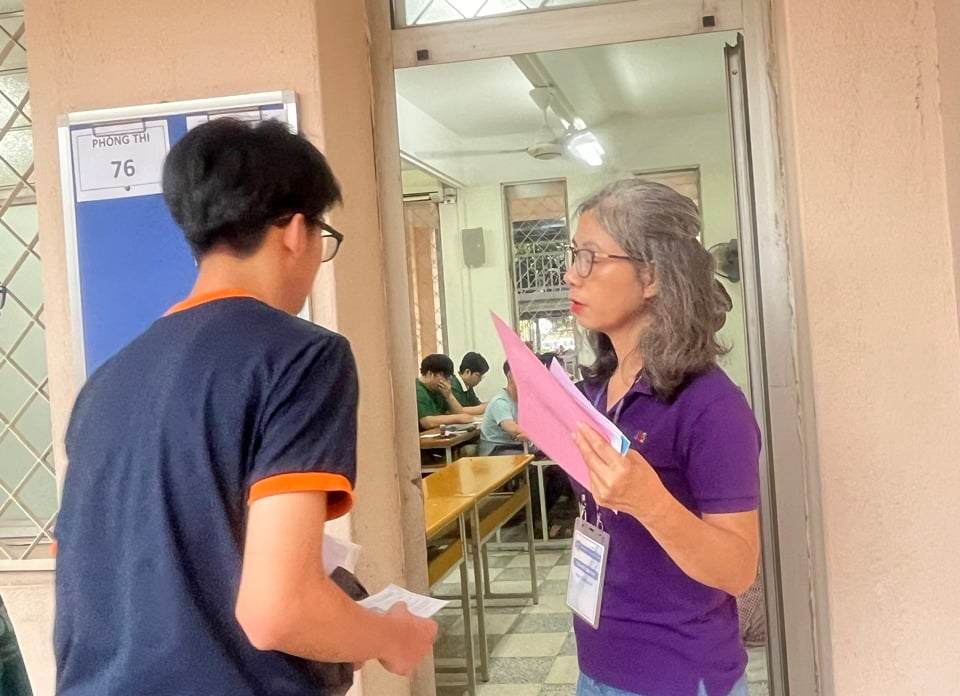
409 13
525 139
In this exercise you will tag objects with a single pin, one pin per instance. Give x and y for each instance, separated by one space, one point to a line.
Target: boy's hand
412 640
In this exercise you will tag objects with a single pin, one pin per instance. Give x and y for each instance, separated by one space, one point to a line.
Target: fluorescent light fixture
579 124
585 146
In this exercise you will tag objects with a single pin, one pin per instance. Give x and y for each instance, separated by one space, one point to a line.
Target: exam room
486 220
489 203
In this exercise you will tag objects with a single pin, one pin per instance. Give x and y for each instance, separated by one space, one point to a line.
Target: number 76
125 166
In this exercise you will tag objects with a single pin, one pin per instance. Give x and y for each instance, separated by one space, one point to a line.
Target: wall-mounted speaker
473 252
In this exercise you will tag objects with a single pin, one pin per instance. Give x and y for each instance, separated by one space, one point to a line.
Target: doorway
525 138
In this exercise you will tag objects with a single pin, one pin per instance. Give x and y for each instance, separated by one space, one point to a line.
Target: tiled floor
532 646
533 651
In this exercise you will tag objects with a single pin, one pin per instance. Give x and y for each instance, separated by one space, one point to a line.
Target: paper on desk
418 605
550 407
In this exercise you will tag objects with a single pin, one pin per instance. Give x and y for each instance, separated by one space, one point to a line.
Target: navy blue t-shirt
223 401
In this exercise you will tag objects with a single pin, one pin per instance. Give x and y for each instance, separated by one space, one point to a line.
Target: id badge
588 565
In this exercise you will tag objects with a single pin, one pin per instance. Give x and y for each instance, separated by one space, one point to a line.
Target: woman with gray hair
684 541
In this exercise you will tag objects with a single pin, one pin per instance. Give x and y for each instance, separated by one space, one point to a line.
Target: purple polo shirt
661 633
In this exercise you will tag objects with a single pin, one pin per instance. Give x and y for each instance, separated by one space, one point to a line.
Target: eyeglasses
3 295
330 248
582 260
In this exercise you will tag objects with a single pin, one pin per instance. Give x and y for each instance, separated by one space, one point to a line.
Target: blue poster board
127 259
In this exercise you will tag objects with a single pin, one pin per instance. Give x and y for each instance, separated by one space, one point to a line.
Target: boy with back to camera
206 456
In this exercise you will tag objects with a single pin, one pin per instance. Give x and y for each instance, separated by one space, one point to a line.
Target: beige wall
864 151
100 53
948 55
867 119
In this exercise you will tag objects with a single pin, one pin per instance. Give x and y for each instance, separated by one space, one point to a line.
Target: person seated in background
472 369
499 432
436 404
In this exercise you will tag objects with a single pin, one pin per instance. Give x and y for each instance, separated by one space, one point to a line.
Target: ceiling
484 105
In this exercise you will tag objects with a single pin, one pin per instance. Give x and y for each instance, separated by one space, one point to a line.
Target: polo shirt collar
598 388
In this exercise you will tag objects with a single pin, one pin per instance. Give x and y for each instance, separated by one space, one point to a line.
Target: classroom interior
496 155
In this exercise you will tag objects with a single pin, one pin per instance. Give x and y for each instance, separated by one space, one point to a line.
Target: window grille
28 488
409 13
537 217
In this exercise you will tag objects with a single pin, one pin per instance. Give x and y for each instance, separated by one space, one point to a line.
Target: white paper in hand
417 604
339 552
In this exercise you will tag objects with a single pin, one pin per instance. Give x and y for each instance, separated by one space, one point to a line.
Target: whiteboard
127 260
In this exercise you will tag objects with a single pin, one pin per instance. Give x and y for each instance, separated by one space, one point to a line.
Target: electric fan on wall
727 256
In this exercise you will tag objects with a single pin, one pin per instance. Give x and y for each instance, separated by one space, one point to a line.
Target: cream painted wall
659 144
948 65
101 54
472 293
868 200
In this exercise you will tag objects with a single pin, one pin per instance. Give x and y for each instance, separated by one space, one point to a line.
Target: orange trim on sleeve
338 504
53 548
197 300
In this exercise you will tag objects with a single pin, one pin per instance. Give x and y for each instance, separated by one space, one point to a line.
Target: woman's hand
718 550
624 483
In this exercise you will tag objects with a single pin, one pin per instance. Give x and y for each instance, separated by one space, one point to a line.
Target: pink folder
550 407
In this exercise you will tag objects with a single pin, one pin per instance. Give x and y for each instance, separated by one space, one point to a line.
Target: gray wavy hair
654 222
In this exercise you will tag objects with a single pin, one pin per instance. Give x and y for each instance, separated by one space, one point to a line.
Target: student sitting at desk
499 432
472 369
436 404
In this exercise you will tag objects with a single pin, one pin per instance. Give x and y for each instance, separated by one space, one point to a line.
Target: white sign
263 113
119 160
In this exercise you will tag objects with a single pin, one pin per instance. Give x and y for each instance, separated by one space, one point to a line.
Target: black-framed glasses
582 260
330 248
3 295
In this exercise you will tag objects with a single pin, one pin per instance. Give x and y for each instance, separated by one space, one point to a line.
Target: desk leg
480 589
449 453
467 628
544 530
530 550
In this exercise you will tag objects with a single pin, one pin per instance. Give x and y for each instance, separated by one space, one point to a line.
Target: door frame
795 521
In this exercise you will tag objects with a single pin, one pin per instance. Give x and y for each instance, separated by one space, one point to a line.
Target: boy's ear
296 234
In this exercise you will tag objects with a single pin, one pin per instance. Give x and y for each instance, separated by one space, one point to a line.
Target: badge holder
588 565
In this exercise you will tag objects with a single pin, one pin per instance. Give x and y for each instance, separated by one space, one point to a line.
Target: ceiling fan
546 143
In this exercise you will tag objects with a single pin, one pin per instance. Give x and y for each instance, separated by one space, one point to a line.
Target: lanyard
618 410
619 406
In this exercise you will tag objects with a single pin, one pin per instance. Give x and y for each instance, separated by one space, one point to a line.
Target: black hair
437 363
475 363
547 358
227 181
506 367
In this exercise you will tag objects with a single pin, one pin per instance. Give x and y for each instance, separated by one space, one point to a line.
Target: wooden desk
439 513
475 479
475 476
432 440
